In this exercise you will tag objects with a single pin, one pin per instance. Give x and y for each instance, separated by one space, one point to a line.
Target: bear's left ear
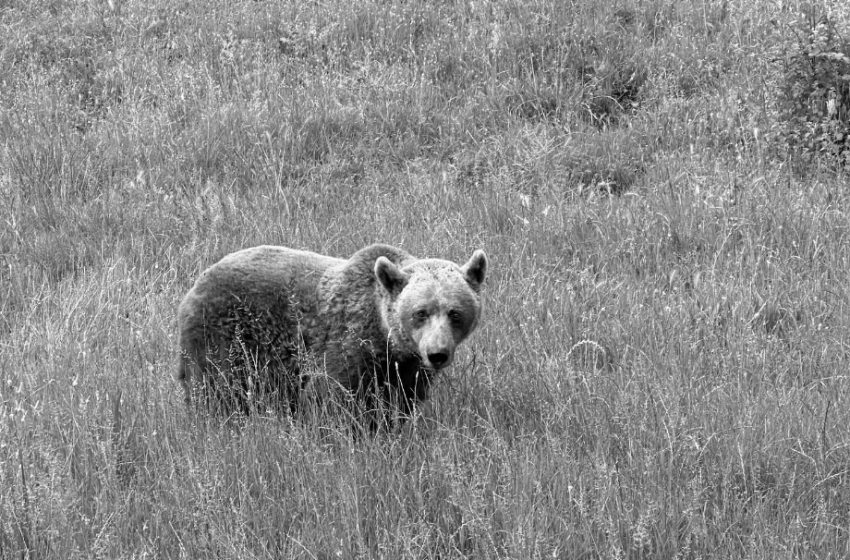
475 270
389 275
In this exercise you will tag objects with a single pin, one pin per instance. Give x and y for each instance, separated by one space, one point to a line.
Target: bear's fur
380 323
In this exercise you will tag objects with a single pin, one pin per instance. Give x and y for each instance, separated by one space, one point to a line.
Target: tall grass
662 367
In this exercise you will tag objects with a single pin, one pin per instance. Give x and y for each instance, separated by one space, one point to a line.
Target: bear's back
258 276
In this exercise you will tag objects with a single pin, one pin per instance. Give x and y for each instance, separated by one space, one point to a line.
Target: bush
815 94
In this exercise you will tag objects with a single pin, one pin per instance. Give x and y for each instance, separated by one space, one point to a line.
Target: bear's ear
389 275
475 270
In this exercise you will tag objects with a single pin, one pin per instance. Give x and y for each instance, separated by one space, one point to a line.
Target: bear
380 324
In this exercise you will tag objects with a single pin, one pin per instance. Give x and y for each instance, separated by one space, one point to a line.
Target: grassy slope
661 373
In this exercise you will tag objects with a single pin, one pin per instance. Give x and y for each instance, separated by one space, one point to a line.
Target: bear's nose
438 359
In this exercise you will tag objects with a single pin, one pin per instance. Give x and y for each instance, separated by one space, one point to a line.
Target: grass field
662 367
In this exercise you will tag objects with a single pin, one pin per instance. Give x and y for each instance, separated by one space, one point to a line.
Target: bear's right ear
389 275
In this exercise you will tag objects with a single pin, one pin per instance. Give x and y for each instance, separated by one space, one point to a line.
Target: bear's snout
437 351
436 342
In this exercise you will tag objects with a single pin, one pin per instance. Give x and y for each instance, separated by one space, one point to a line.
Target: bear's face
431 305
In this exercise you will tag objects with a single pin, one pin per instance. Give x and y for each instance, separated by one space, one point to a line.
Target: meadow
662 366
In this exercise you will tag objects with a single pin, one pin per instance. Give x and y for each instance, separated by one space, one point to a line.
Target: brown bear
380 324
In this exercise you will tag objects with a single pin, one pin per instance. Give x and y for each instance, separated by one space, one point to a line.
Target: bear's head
430 306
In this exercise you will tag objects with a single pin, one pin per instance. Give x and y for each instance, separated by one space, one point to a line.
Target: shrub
815 93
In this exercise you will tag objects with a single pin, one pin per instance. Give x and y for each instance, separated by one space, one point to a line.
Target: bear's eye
421 315
454 316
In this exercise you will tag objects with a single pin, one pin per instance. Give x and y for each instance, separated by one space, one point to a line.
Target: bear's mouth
435 361
429 367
